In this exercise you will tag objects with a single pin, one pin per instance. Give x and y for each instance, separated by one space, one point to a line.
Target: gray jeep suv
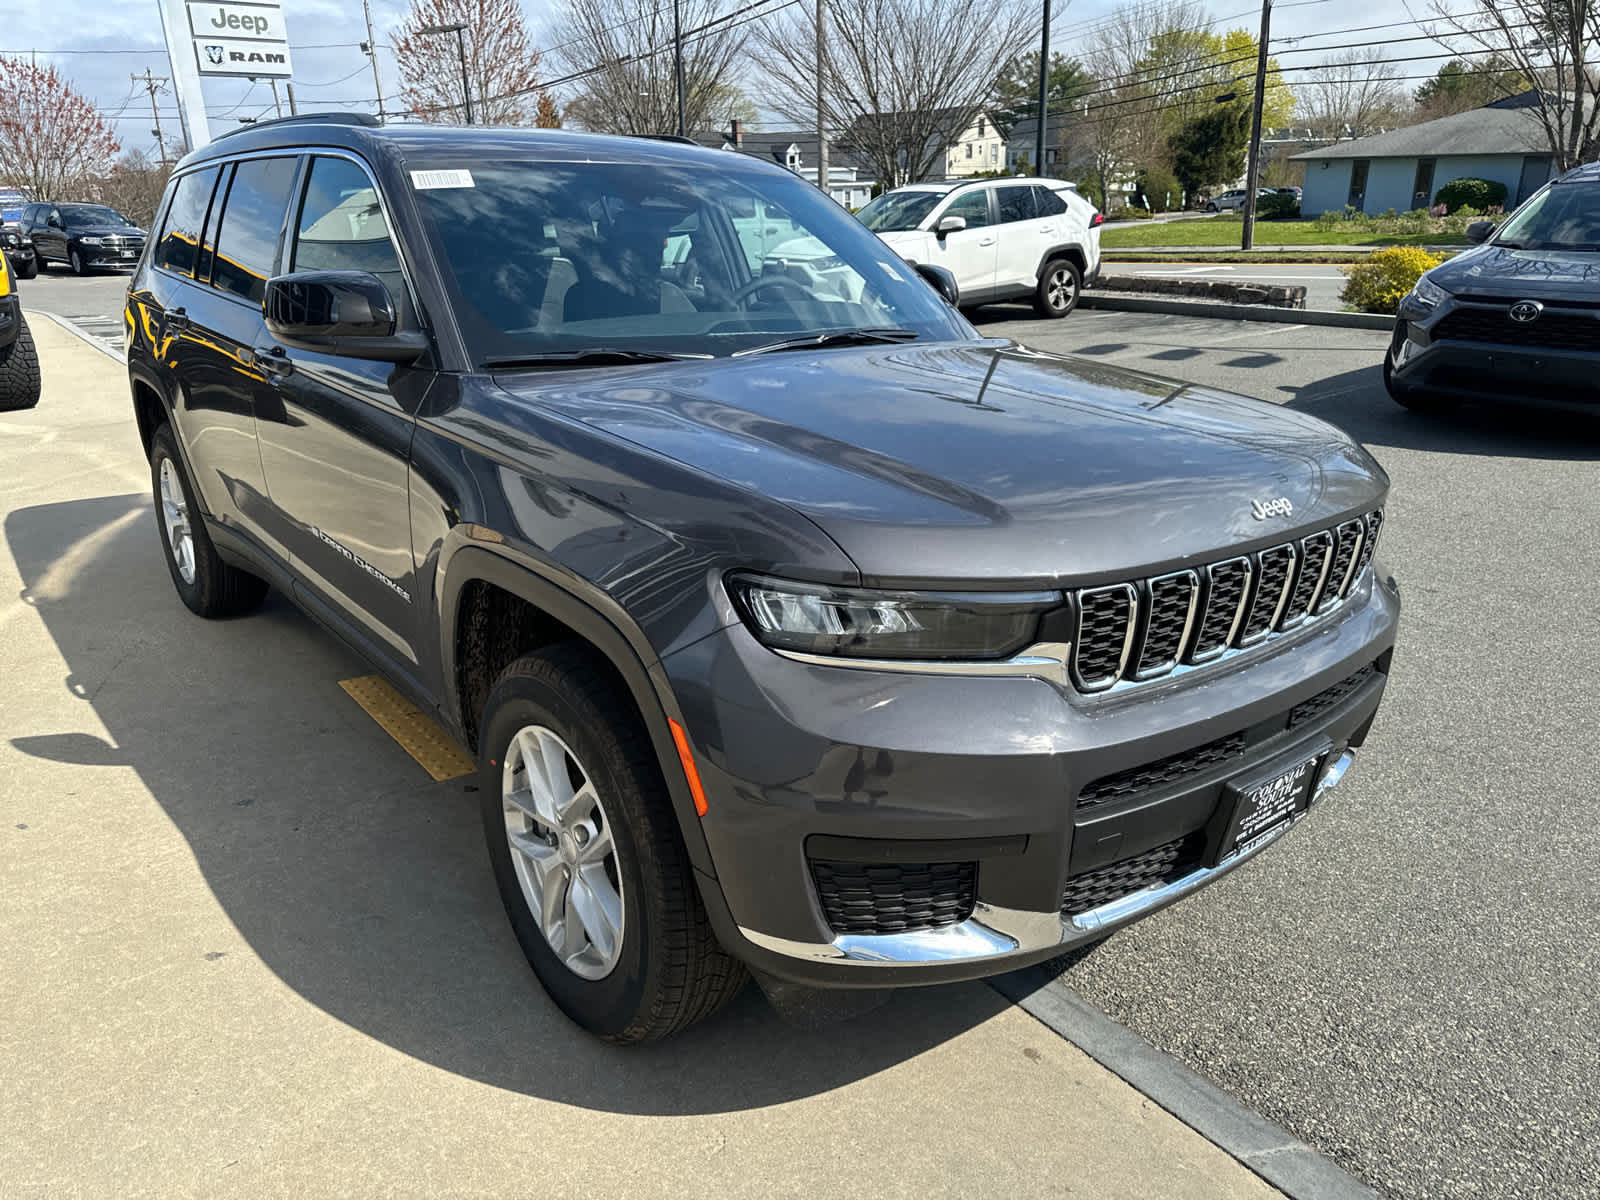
795 626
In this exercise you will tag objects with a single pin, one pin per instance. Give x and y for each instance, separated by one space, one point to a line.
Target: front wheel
75 262
1060 284
587 854
209 586
29 269
19 373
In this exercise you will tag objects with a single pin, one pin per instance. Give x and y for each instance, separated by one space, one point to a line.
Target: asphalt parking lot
1407 983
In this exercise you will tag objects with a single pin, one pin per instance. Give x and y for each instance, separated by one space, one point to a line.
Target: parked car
1233 201
17 246
1513 318
19 363
1003 239
83 236
794 627
1289 191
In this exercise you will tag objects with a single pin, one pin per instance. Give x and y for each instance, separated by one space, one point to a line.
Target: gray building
850 179
1404 168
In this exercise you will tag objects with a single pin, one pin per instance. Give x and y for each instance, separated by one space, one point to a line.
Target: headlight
92 241
1427 294
817 619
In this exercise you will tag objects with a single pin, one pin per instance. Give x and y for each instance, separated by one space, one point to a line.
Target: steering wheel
743 293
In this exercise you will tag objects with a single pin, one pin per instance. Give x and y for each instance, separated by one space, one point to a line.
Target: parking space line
419 735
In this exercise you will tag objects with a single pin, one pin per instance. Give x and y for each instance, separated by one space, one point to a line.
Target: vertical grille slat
1143 630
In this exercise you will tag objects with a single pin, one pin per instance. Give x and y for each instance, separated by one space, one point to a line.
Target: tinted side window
1016 204
1050 204
180 237
252 218
342 227
973 205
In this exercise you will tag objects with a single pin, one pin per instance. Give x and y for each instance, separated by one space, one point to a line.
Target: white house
980 147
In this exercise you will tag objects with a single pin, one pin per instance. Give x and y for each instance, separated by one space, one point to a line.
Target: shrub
1479 193
1379 284
1280 206
1126 212
1160 186
1091 193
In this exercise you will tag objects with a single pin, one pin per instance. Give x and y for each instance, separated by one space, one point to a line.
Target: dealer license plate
1266 802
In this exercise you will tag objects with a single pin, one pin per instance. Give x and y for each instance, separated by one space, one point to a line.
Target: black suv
1514 318
794 624
85 237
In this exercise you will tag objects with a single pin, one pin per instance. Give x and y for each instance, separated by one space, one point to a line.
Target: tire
30 270
76 263
663 969
210 587
1211 208
19 372
1060 285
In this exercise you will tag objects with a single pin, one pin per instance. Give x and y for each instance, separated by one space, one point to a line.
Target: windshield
1565 216
563 259
11 214
83 215
895 211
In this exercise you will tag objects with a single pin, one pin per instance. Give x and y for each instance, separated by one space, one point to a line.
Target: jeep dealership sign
240 38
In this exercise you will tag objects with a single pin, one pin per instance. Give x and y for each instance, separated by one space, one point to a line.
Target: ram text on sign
228 56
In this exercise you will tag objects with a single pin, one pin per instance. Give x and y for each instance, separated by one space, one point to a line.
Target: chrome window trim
1142 672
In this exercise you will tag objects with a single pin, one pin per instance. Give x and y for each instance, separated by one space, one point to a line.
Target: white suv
1004 239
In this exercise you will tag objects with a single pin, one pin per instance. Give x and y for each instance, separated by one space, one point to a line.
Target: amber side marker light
681 739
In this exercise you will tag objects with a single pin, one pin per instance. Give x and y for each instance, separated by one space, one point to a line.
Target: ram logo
213 55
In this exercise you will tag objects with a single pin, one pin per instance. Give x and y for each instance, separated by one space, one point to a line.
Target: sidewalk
255 951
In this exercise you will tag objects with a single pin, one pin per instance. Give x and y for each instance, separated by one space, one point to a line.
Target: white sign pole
185 72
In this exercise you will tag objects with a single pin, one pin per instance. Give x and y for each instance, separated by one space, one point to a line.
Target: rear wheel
1060 284
209 586
587 853
19 373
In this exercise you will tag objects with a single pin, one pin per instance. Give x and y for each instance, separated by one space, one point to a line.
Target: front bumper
107 257
812 771
1489 370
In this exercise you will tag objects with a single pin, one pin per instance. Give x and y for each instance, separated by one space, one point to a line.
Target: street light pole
461 50
677 61
1044 93
1253 171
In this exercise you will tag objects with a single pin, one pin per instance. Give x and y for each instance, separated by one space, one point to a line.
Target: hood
983 460
129 231
1521 274
902 238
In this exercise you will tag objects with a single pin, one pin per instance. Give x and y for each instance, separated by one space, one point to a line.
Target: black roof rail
366 120
667 137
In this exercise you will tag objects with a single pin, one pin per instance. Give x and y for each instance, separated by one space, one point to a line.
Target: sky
98 45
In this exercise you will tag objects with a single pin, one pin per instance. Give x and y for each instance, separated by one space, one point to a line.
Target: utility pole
677 62
276 103
294 111
1253 171
1044 93
822 136
152 84
370 46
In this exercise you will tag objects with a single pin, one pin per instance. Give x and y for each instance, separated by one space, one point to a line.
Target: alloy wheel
175 515
1060 290
563 852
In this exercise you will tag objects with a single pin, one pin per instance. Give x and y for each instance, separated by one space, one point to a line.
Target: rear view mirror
951 225
942 280
339 312
1480 231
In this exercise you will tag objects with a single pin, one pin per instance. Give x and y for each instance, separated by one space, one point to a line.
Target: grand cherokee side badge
1262 509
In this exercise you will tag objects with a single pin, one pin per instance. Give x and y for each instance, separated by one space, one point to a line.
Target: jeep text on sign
257 21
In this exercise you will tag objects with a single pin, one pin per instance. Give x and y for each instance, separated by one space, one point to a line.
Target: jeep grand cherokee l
794 624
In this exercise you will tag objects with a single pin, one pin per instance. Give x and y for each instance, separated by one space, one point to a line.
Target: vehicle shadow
361 884
1357 402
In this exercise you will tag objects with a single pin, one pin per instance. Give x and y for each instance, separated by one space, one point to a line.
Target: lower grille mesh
1105 884
894 897
1163 771
1323 701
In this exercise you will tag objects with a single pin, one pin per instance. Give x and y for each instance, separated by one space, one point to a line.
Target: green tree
1211 148
1459 86
1016 88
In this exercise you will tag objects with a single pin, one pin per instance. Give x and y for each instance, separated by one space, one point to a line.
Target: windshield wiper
835 337
597 356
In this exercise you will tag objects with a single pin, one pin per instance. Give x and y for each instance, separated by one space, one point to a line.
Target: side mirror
951 225
1480 231
339 312
943 281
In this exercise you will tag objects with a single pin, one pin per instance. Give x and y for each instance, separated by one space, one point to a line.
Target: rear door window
1016 204
252 222
186 217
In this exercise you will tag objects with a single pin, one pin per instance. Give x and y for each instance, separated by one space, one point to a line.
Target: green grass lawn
1224 231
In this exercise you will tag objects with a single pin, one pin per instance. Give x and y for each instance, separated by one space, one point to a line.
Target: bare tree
1555 43
625 49
50 135
502 65
1347 94
133 186
902 78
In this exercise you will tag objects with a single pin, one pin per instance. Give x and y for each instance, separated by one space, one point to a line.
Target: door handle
177 318
273 360
986 242
1047 229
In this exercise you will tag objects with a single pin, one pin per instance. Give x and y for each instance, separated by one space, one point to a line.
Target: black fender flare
1071 251
629 655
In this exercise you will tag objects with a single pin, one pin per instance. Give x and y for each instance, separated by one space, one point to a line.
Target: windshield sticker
426 180
891 272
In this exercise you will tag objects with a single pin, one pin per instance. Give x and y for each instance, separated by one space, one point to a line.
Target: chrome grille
1146 629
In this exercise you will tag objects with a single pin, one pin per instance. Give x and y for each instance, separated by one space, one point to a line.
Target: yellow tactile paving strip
418 734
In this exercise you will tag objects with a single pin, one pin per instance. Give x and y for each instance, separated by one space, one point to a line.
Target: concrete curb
1279 1158
77 331
1237 312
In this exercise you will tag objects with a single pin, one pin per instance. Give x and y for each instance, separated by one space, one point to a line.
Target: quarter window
1049 203
252 220
186 216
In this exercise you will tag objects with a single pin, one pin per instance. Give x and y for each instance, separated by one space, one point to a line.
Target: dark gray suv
795 625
